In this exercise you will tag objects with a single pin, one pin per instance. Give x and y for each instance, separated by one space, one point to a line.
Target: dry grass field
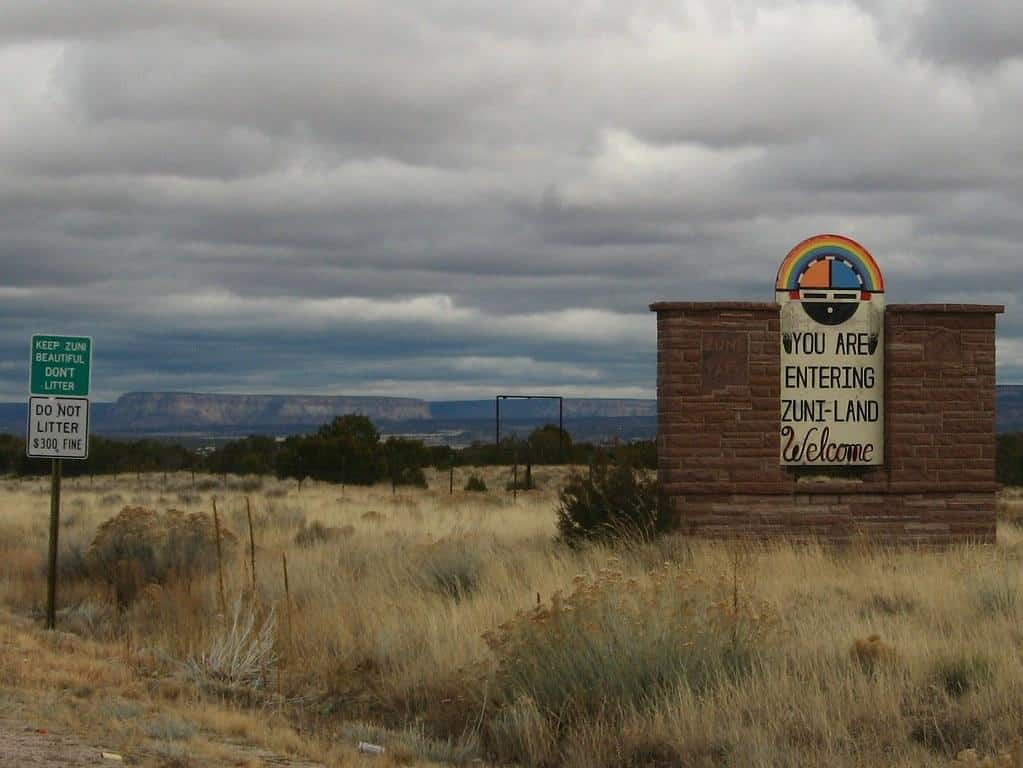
452 629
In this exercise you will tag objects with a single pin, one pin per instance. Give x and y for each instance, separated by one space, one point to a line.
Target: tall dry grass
457 624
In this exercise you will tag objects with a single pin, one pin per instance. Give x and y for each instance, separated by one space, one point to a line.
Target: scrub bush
475 484
140 546
612 503
613 645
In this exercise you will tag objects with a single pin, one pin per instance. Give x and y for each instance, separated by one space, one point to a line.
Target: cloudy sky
451 198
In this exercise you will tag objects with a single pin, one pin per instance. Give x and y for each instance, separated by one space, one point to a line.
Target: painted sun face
830 290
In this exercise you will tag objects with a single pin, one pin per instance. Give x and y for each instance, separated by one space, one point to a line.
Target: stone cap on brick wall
713 306
770 306
960 309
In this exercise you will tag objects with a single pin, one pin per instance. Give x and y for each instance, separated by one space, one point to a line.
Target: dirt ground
22 744
65 702
25 744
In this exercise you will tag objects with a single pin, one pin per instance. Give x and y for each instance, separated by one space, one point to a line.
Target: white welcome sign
831 294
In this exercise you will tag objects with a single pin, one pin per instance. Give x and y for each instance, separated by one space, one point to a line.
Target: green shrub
347 450
140 546
475 484
405 459
612 503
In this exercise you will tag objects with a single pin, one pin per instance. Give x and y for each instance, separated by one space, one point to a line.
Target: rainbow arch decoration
829 262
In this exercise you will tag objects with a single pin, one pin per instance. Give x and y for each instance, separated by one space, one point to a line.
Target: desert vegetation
474 625
348 450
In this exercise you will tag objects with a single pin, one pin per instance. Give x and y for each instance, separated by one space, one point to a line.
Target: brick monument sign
826 413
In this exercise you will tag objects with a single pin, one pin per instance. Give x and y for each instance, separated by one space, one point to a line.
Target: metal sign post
58 424
51 574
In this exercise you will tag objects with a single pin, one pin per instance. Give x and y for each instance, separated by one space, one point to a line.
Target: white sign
58 428
832 354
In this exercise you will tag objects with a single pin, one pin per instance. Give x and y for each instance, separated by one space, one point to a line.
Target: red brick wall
718 418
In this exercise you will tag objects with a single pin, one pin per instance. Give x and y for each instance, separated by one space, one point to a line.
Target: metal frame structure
561 414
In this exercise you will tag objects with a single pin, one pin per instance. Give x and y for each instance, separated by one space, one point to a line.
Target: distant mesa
137 411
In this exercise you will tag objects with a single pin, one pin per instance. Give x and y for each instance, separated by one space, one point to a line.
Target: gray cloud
452 198
978 34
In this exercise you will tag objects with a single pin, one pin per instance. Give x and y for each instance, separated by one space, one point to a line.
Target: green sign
60 365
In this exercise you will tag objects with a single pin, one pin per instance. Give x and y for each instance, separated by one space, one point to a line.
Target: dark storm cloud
450 198
982 33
